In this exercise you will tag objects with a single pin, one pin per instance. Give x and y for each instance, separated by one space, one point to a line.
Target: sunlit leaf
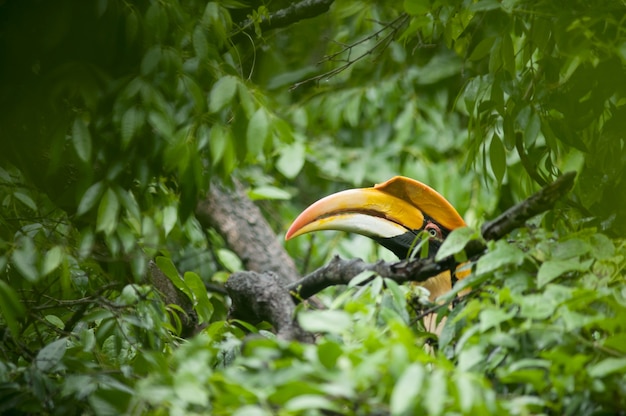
552 269
51 355
268 192
52 260
291 159
222 93
503 254
455 242
202 304
229 260
607 366
170 216
324 321
406 389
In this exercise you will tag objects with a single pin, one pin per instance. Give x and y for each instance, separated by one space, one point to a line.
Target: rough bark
246 232
171 295
261 297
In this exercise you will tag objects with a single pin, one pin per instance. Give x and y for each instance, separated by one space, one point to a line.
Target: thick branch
261 297
301 10
246 231
517 215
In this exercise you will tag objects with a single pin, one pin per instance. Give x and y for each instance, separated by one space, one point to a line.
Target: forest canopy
150 149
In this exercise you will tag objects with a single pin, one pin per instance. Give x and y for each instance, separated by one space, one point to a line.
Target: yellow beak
385 211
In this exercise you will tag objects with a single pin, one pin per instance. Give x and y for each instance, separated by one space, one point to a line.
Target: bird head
395 214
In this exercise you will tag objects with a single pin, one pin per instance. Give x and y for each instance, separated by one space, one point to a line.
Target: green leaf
246 100
268 192
416 7
406 390
170 216
497 156
492 318
482 49
52 260
470 357
465 387
11 308
131 122
25 258
162 123
81 138
485 5
508 54
607 366
570 248
90 198
250 410
552 269
200 43
107 212
202 303
51 355
151 60
55 320
437 392
229 260
455 242
502 254
222 93
531 132
602 247
167 267
331 321
328 352
257 132
25 199
306 402
217 142
291 159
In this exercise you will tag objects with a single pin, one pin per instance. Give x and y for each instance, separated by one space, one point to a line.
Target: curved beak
387 210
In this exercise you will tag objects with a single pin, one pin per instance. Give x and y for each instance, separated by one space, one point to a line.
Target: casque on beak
393 213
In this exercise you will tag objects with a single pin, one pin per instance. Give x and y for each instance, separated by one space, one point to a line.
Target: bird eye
433 230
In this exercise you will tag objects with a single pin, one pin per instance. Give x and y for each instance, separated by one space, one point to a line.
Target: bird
399 214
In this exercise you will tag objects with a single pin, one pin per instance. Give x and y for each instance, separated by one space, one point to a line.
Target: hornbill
396 214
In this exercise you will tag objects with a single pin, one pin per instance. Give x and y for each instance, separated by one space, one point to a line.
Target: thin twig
394 25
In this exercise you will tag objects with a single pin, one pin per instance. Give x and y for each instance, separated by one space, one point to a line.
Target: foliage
117 115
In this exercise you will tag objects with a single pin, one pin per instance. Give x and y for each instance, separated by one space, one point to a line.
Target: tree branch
261 297
301 10
381 44
246 232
